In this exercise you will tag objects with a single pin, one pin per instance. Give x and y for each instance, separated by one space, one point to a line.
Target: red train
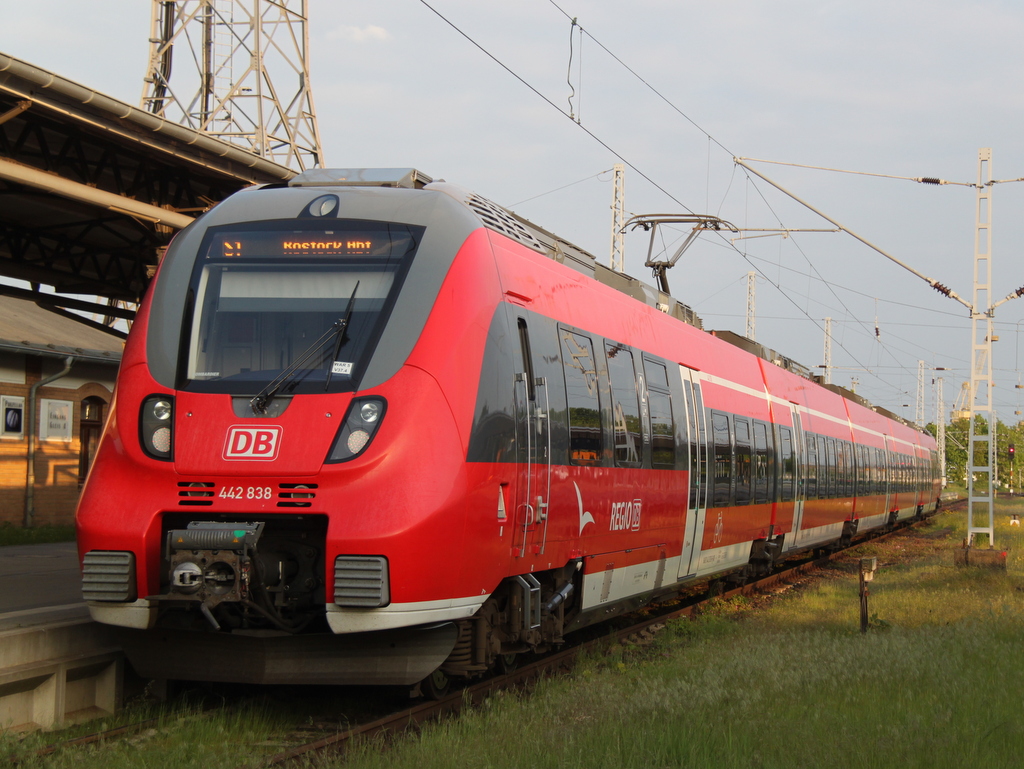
371 428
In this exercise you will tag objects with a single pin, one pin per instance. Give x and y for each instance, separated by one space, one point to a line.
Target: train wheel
508 662
436 685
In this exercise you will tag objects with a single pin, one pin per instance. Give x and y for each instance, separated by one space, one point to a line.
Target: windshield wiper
342 335
263 398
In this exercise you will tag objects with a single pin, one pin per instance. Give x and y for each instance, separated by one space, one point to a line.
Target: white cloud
368 34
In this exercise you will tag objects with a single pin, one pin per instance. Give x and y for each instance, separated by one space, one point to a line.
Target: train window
852 467
663 432
823 466
493 437
811 484
723 458
744 470
585 444
764 471
524 350
788 469
625 407
830 453
663 438
657 374
845 471
294 300
855 468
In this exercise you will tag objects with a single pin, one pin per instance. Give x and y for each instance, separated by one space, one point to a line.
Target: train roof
512 225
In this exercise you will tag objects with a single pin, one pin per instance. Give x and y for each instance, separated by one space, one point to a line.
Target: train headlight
156 426
358 428
369 412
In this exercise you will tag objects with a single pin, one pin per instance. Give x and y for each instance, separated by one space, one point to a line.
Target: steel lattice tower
919 405
940 428
982 428
827 366
618 249
241 73
751 305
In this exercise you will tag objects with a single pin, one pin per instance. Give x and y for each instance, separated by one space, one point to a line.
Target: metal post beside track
867 574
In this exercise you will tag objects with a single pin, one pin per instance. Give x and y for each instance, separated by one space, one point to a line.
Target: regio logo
625 516
252 442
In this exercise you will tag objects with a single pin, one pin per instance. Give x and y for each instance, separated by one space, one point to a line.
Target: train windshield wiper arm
262 399
342 335
337 330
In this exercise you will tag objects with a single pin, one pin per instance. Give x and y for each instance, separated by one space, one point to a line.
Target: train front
273 467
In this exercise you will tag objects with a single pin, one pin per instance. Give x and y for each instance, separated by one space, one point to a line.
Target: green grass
184 736
16 535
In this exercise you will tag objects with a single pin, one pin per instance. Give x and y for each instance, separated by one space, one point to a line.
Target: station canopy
92 189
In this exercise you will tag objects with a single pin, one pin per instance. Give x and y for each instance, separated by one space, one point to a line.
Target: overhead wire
654 90
568 74
554 106
563 187
919 179
710 138
861 293
648 178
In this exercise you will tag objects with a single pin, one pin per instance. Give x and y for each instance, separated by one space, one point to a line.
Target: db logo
252 442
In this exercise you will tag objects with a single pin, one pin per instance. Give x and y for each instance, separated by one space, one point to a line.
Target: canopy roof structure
92 189
30 329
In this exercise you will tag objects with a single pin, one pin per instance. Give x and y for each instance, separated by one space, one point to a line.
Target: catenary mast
238 70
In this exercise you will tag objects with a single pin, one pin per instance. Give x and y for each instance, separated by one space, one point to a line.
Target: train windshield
264 295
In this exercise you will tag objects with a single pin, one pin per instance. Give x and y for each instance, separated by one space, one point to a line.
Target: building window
90 429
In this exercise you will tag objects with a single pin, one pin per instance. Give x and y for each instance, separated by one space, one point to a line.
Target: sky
482 94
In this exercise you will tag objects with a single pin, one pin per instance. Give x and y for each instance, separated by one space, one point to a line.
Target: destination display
394 241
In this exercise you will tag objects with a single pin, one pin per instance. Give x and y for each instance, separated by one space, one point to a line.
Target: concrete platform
57 666
37 576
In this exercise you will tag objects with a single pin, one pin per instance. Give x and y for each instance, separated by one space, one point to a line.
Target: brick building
56 380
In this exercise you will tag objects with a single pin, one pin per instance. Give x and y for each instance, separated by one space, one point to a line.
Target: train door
696 506
533 453
800 473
